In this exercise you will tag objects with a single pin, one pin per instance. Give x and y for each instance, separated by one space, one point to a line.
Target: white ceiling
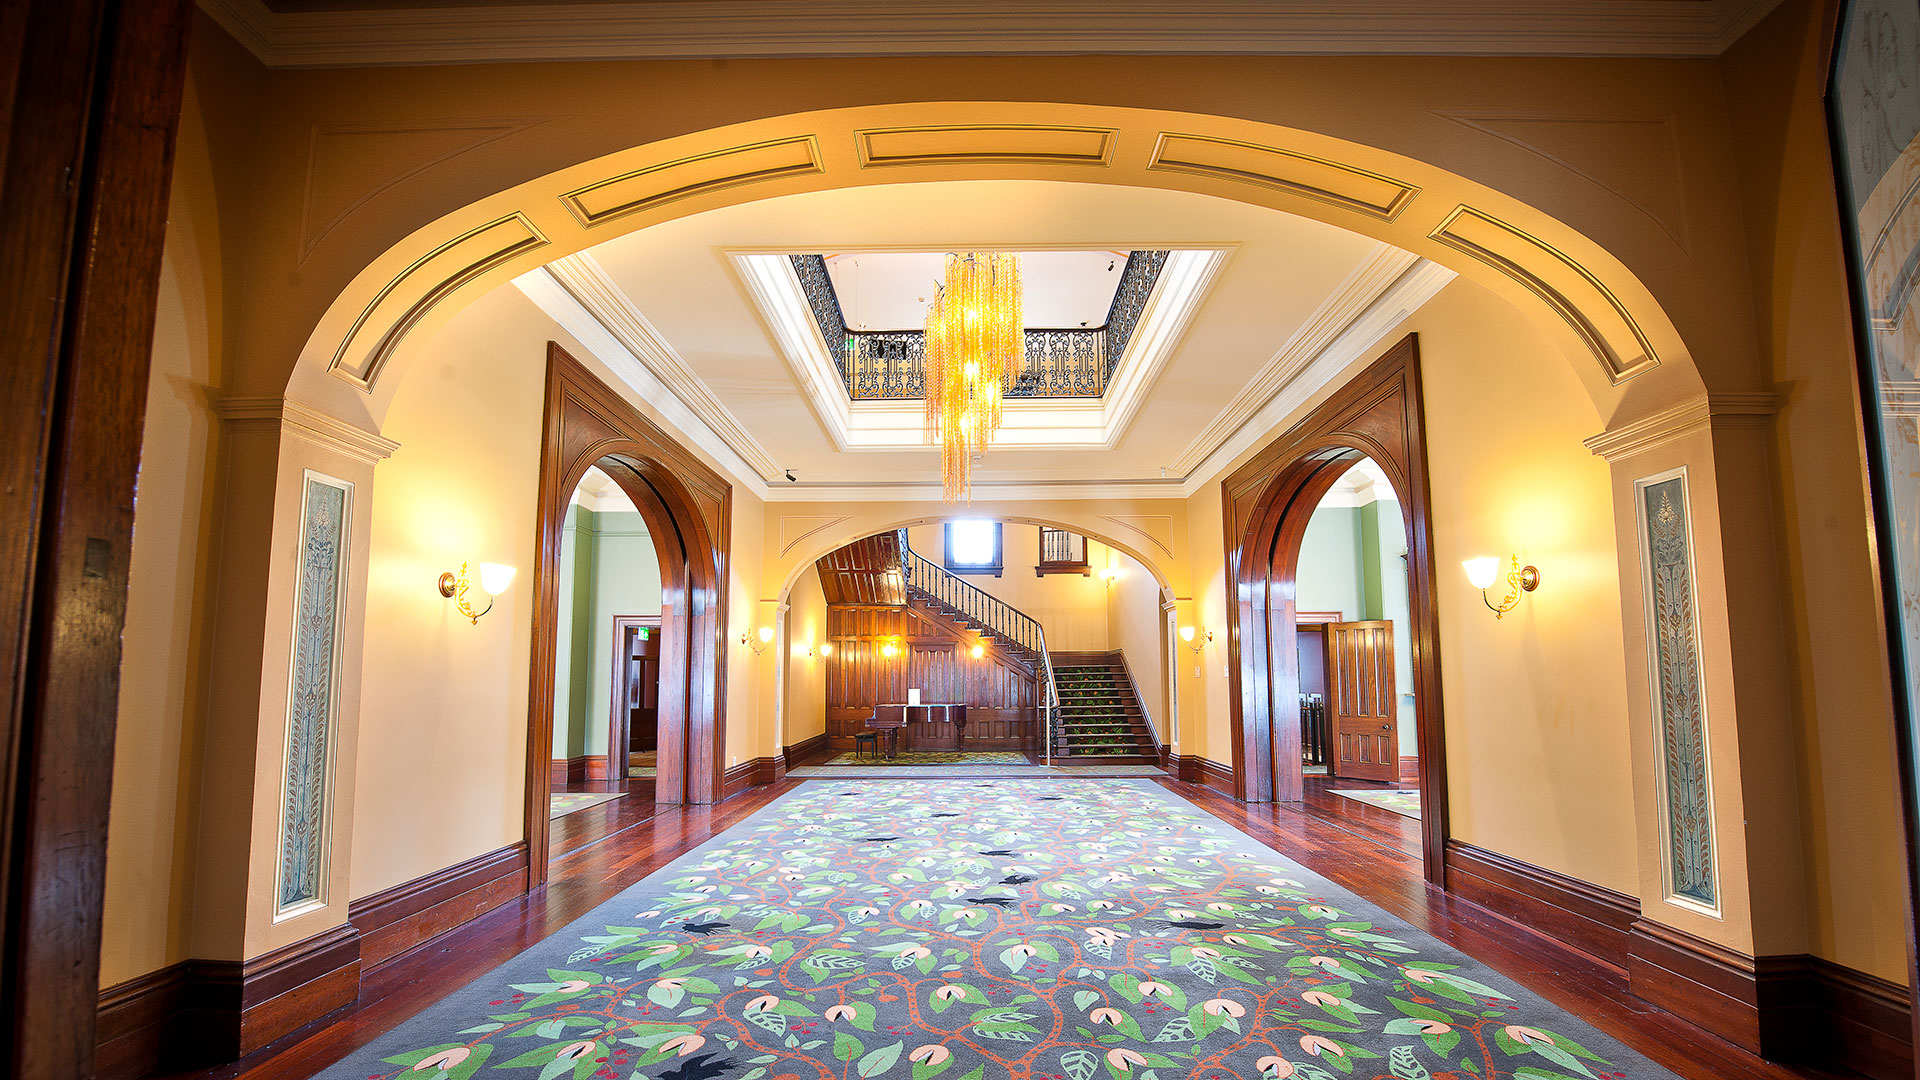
890 290
1291 303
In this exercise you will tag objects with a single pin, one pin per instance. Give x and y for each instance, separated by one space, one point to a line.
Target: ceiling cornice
590 286
490 33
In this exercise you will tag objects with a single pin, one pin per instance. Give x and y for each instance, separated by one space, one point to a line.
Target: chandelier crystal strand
975 350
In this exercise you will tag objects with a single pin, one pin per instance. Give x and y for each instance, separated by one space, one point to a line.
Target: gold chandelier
976 348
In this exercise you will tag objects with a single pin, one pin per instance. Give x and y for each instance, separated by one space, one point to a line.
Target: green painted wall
608 567
1350 562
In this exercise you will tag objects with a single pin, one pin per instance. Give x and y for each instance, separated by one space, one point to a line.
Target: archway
1114 609
1269 501
686 507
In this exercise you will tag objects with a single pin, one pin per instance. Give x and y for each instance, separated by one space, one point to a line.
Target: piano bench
868 739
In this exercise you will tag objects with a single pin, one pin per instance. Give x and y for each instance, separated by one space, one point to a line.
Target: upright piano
892 719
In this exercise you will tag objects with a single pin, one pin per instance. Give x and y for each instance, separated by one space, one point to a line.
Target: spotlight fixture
792 479
1482 571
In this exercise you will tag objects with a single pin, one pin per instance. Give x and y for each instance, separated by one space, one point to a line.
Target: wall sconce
758 642
979 650
889 650
826 648
494 579
1194 640
1482 571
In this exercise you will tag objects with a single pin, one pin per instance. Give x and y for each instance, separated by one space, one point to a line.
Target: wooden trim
393 921
1194 769
688 509
1266 504
1159 748
741 777
571 770
236 1008
1309 618
806 750
1856 1021
1588 917
87 133
1711 985
596 765
1410 769
134 1029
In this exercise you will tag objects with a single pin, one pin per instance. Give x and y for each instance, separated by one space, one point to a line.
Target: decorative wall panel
1679 694
313 693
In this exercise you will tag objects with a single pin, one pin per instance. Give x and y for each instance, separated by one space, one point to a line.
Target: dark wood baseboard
396 920
1195 769
135 1031
806 750
596 766
569 770
1590 918
1799 1009
1409 770
741 777
238 1007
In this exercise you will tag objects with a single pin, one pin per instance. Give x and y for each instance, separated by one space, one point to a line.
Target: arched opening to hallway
685 511
1057 646
1354 657
607 653
1270 504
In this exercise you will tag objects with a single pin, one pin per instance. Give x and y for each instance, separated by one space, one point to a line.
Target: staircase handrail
992 612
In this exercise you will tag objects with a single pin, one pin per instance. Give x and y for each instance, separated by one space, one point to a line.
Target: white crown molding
1348 325
1678 421
593 335
1352 297
1026 423
304 421
590 286
983 491
453 34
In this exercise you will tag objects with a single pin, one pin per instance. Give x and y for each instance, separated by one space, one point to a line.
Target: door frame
1319 620
1266 504
688 509
617 725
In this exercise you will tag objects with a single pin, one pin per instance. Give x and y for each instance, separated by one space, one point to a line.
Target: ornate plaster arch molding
1567 281
805 538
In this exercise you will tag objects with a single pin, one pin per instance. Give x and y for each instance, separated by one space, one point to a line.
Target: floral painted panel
1679 698
1039 929
313 692
1873 102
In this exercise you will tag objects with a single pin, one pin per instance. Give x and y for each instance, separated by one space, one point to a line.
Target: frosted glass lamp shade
1482 571
495 578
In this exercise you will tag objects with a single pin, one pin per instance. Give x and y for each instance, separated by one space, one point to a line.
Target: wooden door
1362 706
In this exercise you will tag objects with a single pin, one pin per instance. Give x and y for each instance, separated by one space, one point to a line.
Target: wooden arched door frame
1266 506
687 508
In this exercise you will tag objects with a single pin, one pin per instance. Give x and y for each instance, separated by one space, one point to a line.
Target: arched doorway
686 508
1268 503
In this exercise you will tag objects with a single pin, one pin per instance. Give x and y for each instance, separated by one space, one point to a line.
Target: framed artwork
1873 119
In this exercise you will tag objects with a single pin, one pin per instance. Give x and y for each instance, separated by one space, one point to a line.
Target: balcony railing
889 365
1061 552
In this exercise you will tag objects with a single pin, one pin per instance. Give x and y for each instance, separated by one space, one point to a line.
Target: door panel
1361 701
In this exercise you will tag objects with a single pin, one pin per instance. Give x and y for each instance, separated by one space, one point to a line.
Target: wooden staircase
1100 715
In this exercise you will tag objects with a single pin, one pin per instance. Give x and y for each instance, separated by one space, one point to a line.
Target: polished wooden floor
1374 852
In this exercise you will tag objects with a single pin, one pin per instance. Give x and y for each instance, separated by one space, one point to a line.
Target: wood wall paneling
937 658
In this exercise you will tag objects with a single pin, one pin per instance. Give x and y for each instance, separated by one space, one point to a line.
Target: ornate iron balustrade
890 365
1001 618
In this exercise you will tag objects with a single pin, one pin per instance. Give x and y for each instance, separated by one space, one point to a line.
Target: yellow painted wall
806 687
149 882
1537 756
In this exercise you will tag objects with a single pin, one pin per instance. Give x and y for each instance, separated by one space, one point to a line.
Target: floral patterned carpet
1039 929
